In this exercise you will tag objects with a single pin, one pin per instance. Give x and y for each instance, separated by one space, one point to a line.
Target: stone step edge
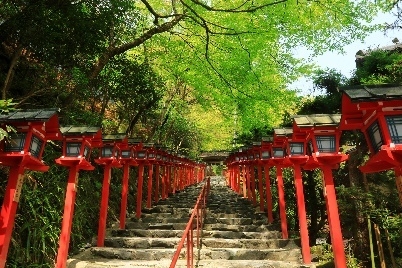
75 263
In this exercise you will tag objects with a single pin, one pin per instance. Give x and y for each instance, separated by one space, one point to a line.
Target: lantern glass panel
16 142
107 151
257 156
265 155
158 156
395 128
310 148
35 146
237 158
141 154
326 144
126 154
251 157
87 152
375 136
296 148
73 149
151 155
278 152
165 158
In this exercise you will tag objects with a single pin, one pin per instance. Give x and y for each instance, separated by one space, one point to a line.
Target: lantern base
25 160
384 160
113 162
81 163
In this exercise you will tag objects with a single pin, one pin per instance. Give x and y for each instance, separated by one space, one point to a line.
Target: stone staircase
234 235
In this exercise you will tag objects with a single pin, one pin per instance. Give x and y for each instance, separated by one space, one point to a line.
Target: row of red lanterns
23 149
312 142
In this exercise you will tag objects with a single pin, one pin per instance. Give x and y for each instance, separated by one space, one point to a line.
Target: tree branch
238 9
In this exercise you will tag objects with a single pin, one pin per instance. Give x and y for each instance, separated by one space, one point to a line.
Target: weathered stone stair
234 235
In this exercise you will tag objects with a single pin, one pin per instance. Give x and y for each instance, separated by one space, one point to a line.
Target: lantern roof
79 130
134 141
48 116
317 120
283 132
29 115
373 92
94 133
266 139
256 143
114 137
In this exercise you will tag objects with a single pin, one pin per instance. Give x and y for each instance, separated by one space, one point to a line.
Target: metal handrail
199 212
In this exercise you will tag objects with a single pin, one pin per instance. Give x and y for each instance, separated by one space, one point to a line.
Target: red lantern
22 150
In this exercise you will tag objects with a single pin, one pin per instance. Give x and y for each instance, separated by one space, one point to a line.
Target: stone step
242 235
239 228
105 263
162 242
146 233
291 255
230 221
207 234
164 219
250 243
141 242
166 209
154 226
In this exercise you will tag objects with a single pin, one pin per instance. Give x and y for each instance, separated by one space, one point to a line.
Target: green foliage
379 67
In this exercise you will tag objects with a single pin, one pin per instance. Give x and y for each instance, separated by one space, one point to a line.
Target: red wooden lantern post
141 157
237 169
151 161
278 160
257 161
22 151
323 137
127 160
230 166
251 163
109 159
158 163
297 155
164 165
377 112
77 145
265 155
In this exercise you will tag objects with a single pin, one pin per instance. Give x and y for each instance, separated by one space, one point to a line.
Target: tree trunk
10 74
113 51
360 233
313 207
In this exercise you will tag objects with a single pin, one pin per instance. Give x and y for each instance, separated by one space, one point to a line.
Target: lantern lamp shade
257 155
326 144
36 146
107 151
141 154
278 152
265 154
15 143
394 124
151 155
250 157
375 136
73 149
158 156
125 154
296 148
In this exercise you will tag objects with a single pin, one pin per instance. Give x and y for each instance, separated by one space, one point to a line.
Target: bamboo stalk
371 243
391 251
379 245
